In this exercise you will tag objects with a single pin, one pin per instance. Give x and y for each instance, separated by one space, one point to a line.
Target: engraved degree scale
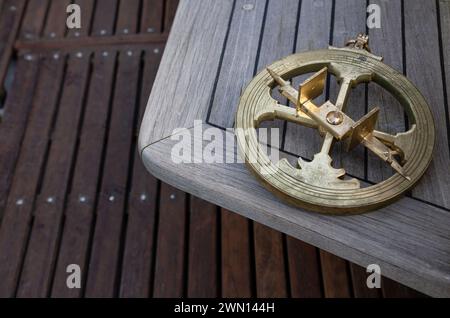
316 185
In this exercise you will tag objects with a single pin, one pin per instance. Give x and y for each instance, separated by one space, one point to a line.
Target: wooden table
216 47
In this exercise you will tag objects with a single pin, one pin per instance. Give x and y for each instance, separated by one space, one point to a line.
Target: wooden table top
216 47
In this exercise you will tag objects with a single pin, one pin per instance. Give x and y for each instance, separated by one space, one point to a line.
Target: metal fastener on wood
20 202
172 197
248 7
50 199
143 197
112 198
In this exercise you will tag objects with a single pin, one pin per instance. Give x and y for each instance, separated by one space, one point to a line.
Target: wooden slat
236 262
392 289
81 202
277 42
17 107
16 223
169 13
41 252
422 44
134 41
271 276
10 17
359 283
56 19
313 34
335 276
34 19
152 13
349 20
104 17
171 244
127 22
142 209
195 17
104 262
203 256
304 269
386 41
87 12
239 61
408 239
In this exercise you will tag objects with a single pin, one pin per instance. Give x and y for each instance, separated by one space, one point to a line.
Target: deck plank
313 34
81 204
38 267
152 13
170 265
271 276
137 265
236 263
34 19
304 269
104 17
203 264
104 263
17 217
239 61
422 44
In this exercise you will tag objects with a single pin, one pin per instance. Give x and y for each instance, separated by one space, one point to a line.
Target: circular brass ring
326 200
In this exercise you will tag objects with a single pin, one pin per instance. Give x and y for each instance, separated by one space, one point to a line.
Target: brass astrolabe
316 185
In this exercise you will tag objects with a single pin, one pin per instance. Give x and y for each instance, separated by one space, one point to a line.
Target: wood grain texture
170 251
16 222
408 239
151 18
386 41
336 282
79 214
104 262
192 58
239 61
17 107
236 261
422 44
271 279
34 19
136 278
203 250
359 283
35 279
304 269
104 17
313 34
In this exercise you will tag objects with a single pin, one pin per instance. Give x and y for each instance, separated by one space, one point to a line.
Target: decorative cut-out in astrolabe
317 185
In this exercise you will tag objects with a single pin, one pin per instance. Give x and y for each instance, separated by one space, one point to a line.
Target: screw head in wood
50 200
248 6
20 202
172 197
111 198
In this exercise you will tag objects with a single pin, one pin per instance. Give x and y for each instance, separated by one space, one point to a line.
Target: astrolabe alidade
316 185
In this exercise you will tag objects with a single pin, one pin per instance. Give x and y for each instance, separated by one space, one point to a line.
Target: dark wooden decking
73 189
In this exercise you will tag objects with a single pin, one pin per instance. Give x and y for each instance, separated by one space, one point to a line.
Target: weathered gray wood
239 60
313 34
189 68
278 41
408 239
423 68
349 20
386 41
